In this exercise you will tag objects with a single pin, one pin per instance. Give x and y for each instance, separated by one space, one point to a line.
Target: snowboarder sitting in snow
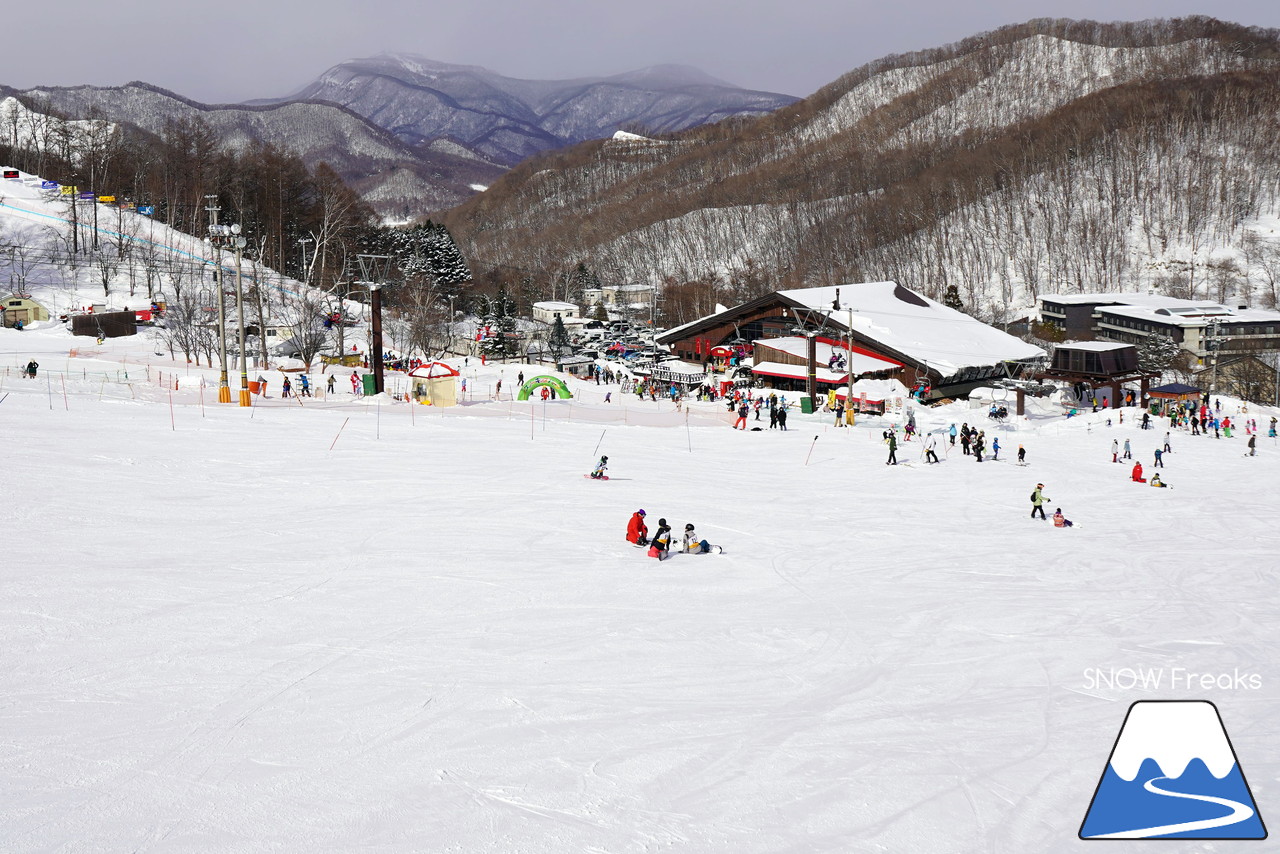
660 545
637 531
1137 473
1156 481
600 467
693 545
1060 521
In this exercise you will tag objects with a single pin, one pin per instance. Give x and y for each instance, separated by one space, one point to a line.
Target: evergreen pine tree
951 298
1157 352
498 313
559 335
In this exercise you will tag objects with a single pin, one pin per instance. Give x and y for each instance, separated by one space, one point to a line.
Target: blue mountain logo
1173 774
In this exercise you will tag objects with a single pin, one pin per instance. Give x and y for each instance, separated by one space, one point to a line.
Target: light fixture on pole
374 269
224 389
229 237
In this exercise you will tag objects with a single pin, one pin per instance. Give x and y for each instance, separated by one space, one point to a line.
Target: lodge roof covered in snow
890 319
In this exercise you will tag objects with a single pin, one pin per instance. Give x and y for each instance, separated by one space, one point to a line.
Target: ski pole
810 454
597 450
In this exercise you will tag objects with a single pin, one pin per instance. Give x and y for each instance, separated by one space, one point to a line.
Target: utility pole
1212 345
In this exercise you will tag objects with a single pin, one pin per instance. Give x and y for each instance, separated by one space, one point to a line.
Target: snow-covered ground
363 625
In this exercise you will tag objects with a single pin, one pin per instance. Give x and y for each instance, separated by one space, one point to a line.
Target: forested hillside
1048 156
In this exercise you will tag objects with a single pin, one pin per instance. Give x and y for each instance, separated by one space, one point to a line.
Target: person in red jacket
637 531
1137 473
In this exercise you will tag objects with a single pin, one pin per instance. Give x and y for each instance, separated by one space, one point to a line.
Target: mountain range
1053 155
412 135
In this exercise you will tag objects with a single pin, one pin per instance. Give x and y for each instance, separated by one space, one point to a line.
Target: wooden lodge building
895 332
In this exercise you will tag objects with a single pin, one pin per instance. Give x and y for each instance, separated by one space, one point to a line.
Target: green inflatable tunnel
558 388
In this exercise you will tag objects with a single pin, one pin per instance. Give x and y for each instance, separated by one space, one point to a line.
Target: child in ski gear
660 545
1115 450
1037 501
953 435
1156 481
1253 446
995 448
600 467
1128 453
637 531
1060 521
692 544
893 448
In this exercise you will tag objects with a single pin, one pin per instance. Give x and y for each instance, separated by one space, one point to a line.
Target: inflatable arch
558 388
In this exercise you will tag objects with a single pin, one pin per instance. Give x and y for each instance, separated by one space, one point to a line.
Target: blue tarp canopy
1173 390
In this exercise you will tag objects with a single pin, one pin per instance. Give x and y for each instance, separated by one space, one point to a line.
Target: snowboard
602 477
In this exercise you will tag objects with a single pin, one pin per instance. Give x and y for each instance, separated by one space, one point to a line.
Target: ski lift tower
374 269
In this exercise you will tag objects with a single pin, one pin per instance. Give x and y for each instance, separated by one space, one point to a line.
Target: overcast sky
236 50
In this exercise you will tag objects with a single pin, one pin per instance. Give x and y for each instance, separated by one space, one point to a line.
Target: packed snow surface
351 624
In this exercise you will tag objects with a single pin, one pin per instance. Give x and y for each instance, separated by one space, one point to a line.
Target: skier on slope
598 472
637 531
1038 499
931 449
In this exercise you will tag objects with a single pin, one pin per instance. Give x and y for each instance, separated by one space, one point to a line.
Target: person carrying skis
692 544
598 472
660 545
637 531
1037 501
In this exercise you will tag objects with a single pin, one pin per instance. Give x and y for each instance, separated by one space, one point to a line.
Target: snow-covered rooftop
944 339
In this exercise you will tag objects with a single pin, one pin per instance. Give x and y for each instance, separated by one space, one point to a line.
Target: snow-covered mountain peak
1172 734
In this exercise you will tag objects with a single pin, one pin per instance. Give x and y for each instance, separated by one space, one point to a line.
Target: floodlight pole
374 268
224 388
375 307
239 243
